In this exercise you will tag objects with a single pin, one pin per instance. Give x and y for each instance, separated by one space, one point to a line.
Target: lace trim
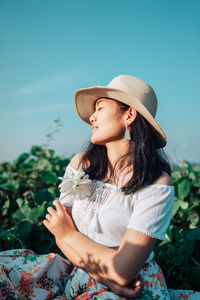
145 232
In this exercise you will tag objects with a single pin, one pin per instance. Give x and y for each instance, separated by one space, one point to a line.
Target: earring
127 133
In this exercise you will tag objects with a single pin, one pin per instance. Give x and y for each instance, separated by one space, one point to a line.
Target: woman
116 201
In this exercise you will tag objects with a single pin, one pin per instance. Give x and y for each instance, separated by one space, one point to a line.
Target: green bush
27 187
179 254
30 184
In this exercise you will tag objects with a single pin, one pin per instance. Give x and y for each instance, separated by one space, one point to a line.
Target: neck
116 149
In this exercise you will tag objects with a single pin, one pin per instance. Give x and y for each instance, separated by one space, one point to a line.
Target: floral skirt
26 275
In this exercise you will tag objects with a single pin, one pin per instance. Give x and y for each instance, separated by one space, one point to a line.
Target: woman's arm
120 266
133 291
69 253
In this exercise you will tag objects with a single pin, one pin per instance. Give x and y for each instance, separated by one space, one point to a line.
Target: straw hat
127 89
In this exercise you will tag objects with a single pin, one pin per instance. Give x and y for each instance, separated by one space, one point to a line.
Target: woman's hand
58 221
132 291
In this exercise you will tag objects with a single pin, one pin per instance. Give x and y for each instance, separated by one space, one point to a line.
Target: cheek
109 130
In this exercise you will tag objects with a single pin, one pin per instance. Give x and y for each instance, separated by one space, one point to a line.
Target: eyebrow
98 101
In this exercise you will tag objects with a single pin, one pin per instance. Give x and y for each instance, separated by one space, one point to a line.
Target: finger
138 291
131 293
51 210
137 287
46 224
133 290
48 217
138 282
58 206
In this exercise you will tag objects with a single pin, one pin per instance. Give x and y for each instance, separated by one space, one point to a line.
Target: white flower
77 185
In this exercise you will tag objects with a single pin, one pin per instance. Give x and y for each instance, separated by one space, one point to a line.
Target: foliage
179 253
27 187
30 184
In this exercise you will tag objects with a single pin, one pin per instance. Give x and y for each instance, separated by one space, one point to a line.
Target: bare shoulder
74 163
164 179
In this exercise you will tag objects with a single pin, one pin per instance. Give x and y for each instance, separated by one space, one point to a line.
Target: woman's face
108 122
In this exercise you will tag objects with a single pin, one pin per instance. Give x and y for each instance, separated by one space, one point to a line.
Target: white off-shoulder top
107 213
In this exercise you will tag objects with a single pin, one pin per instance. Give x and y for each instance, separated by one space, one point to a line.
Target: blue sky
48 49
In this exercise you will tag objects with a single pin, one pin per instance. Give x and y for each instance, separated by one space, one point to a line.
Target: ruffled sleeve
153 210
66 199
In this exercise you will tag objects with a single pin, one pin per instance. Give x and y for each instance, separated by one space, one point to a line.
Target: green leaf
5 207
192 176
183 204
176 175
22 213
19 216
35 150
23 230
196 183
11 185
33 175
51 152
196 168
22 157
176 206
5 234
4 176
48 177
46 153
43 195
19 202
43 164
184 188
27 166
193 234
171 233
37 212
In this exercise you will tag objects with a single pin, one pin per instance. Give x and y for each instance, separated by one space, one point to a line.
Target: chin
97 141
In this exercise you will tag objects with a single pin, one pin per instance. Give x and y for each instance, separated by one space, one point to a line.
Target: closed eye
99 108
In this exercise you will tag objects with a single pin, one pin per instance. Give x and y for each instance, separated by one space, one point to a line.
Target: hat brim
84 102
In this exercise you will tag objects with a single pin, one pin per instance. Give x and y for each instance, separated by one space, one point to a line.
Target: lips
94 128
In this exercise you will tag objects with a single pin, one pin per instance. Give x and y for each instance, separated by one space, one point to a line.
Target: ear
131 114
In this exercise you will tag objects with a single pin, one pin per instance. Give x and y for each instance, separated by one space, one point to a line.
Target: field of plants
30 184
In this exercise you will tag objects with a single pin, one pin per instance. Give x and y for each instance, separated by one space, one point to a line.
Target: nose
92 118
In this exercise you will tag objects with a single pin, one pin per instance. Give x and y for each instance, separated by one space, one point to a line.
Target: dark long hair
148 162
